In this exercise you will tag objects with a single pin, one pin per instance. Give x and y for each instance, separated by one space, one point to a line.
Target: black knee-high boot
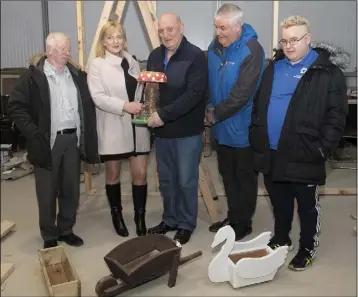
115 203
139 201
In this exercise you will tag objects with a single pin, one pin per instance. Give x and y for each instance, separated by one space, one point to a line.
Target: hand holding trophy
151 94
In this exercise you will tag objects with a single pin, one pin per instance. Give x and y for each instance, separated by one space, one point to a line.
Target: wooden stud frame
148 12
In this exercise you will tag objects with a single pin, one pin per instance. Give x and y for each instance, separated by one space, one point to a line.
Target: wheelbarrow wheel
105 283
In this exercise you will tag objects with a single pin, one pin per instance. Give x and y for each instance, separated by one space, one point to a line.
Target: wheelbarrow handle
190 257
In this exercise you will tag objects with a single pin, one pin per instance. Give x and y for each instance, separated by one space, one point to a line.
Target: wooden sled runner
141 260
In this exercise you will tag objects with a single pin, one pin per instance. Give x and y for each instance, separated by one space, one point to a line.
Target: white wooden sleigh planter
245 263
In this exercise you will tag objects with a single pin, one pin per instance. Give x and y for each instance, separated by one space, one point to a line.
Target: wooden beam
207 195
119 10
6 227
106 12
80 33
152 5
275 25
323 191
262 192
81 60
149 22
6 270
209 180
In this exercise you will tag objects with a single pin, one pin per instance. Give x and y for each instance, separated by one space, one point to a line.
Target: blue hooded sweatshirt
234 76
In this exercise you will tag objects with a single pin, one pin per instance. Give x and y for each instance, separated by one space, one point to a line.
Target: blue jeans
178 162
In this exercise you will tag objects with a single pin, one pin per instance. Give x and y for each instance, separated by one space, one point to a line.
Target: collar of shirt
50 70
166 57
303 61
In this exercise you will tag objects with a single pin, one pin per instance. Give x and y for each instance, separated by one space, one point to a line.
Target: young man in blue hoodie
236 61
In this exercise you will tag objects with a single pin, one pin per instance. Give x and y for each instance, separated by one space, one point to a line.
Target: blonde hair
295 20
106 30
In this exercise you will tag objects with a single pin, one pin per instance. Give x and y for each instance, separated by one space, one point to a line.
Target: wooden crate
6 270
60 276
6 227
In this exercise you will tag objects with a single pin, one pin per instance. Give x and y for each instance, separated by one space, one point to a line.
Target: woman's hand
132 107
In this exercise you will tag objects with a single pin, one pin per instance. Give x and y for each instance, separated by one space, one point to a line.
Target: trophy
151 94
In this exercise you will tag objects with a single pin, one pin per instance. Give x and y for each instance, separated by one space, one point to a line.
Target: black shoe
241 231
182 236
71 239
302 260
216 226
115 202
50 243
139 201
162 228
276 242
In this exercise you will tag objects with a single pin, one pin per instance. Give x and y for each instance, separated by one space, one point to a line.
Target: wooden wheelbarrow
140 260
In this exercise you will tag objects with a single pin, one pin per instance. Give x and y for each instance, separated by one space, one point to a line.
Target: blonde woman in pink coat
116 94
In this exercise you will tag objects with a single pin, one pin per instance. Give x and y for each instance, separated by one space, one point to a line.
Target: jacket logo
302 71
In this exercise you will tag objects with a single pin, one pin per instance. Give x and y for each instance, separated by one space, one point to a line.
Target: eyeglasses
292 41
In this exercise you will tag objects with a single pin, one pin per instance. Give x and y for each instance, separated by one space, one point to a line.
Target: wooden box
60 276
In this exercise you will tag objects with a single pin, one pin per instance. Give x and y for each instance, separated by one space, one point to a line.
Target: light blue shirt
64 100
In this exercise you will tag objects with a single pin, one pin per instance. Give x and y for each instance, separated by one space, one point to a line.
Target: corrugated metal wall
334 22
21 28
259 14
62 18
21 32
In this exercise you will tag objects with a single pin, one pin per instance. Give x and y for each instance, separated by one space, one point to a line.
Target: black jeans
282 196
240 182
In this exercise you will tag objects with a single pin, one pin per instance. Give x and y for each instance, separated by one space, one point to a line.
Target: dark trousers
62 183
178 162
236 167
282 196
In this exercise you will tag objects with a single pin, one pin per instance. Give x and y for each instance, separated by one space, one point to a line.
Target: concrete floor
333 273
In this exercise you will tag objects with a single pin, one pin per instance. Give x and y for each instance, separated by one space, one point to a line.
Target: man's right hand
209 117
132 107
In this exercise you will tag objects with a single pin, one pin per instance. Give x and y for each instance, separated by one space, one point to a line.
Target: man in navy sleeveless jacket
179 124
236 61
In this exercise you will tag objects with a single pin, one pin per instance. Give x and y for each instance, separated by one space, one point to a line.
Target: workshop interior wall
22 34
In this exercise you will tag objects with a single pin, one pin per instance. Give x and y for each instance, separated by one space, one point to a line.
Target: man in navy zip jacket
236 61
298 120
179 124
